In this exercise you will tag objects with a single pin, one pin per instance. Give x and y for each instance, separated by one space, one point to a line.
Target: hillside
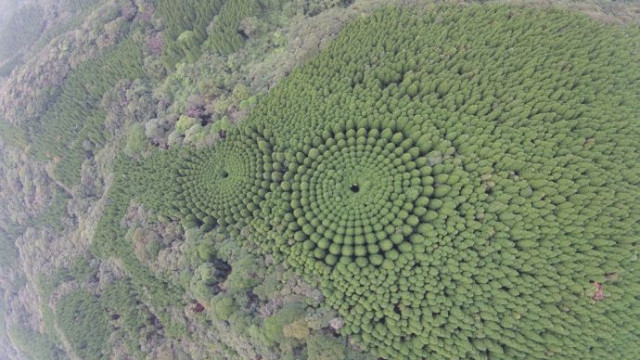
319 179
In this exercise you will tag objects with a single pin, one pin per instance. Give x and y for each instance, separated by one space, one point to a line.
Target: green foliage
298 329
76 117
224 35
315 7
206 280
185 25
136 141
457 181
324 347
47 284
78 5
160 168
224 306
52 216
123 303
12 134
452 168
84 323
80 8
243 277
184 123
110 235
81 269
274 324
35 345
221 185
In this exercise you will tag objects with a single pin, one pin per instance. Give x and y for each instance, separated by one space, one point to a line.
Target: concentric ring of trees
458 179
505 185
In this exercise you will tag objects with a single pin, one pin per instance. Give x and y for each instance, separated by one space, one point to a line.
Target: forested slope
311 179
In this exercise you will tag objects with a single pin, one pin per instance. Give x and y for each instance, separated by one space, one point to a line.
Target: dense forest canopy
319 179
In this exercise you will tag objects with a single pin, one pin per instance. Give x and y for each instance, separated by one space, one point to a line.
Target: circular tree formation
463 181
224 184
360 194
522 238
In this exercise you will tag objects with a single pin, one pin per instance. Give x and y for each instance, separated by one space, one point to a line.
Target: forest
319 179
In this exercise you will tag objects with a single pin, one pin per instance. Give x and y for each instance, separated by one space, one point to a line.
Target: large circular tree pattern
462 181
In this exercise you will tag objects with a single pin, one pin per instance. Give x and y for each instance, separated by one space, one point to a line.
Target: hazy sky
6 8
